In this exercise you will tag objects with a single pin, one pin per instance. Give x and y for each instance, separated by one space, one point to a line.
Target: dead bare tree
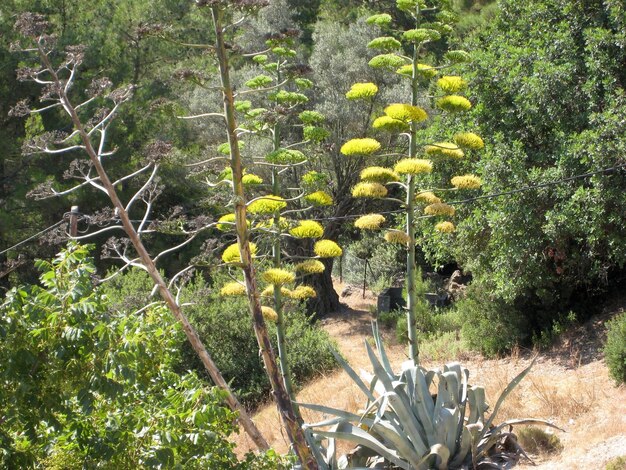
91 119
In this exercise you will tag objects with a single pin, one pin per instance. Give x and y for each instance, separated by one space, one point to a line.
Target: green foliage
490 325
615 348
224 326
85 386
552 101
618 463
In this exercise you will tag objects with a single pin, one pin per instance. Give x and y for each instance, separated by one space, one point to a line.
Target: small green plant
537 441
618 463
615 348
405 426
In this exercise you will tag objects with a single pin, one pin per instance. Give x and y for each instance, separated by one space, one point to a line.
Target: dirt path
569 385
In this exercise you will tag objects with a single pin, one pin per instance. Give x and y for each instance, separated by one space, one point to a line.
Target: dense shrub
615 348
225 327
84 386
490 325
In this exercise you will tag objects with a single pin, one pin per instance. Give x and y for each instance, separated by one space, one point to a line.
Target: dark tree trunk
327 300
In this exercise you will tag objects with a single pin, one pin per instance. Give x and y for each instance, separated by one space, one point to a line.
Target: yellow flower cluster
269 292
454 103
389 124
360 91
390 61
378 174
451 83
413 166
231 253
369 222
428 197
447 149
251 179
310 266
232 288
469 140
278 276
373 190
426 71
319 198
466 182
445 227
225 222
267 205
285 157
397 236
365 146
421 35
406 112
385 43
327 249
269 313
307 229
283 223
439 208
303 292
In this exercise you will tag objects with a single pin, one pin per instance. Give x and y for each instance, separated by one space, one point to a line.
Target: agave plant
405 425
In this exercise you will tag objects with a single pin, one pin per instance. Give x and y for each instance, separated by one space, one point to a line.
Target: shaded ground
569 385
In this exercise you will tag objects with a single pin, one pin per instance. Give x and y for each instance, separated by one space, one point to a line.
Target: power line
37 235
605 171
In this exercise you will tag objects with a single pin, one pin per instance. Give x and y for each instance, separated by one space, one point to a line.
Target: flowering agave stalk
273 215
408 427
241 253
405 122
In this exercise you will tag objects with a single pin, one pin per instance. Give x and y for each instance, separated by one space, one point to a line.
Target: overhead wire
605 171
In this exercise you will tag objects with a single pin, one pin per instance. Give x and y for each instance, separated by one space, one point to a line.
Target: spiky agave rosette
417 419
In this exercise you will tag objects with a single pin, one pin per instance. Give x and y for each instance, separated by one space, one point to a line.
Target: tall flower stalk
410 175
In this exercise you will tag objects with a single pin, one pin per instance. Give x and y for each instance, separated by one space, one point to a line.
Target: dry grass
573 394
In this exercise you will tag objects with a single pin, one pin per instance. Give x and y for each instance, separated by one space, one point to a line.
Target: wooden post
74 221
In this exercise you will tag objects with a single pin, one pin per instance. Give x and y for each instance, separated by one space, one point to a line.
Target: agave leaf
463 449
462 408
381 349
374 383
331 453
478 405
316 448
348 432
398 440
458 372
509 388
424 403
451 381
353 375
442 454
379 370
430 376
346 415
410 425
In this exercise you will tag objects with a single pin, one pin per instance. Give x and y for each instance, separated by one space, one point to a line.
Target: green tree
86 386
553 102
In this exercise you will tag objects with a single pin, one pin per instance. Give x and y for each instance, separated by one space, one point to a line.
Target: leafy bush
225 327
85 386
490 325
615 348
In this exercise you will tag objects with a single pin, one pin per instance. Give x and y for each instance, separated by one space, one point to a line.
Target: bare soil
568 386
